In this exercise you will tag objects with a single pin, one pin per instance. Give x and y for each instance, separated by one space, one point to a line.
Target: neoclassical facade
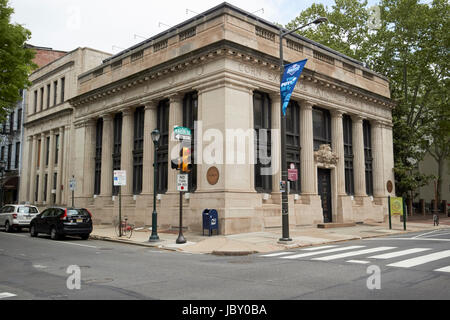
218 74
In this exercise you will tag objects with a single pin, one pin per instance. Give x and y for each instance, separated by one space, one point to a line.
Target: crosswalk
412 257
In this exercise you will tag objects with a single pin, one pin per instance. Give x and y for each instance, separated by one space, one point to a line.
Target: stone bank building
220 71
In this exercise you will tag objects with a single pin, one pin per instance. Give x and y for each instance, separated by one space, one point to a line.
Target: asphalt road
35 268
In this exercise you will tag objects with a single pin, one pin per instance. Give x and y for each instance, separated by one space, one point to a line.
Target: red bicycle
124 229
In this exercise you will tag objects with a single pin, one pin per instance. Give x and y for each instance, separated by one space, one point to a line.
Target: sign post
72 186
120 179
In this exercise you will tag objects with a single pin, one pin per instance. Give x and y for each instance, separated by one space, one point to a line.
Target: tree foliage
16 61
410 47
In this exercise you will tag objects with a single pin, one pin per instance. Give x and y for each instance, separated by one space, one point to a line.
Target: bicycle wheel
127 231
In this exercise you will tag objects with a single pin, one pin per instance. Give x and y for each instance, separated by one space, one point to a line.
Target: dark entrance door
324 189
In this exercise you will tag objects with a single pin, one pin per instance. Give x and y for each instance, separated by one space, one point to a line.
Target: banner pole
404 214
389 206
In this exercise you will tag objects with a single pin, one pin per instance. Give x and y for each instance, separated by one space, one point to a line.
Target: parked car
62 221
17 216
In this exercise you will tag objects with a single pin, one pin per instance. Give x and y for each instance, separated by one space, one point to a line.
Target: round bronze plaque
212 175
389 186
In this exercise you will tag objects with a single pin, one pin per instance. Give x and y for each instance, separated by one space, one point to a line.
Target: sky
111 25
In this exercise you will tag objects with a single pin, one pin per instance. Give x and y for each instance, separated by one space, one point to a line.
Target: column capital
107 116
335 113
29 138
127 111
42 135
174 98
357 118
153 104
275 97
52 131
376 123
307 105
61 129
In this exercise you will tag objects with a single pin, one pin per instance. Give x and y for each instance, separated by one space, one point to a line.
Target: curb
233 253
95 237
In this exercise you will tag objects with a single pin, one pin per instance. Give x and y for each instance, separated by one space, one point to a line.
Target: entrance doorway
324 189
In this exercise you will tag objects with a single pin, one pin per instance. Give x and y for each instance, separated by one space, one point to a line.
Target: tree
409 47
16 61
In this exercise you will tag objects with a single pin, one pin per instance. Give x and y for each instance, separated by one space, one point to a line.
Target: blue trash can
210 221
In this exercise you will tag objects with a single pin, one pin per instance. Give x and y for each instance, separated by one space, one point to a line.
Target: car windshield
27 210
77 212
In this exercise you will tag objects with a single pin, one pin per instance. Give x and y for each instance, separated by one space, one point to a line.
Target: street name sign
182 133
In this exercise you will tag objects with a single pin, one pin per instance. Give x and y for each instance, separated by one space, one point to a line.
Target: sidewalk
267 241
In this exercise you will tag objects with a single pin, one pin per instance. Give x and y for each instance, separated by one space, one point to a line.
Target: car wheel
7 227
84 236
33 232
53 234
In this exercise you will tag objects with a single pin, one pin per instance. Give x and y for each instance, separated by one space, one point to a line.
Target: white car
17 216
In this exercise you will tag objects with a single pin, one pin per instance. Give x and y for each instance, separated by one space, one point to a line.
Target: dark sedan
58 222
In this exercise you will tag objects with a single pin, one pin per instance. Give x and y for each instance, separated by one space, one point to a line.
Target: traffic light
186 165
176 163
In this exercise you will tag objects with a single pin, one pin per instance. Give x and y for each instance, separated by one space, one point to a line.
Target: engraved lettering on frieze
252 70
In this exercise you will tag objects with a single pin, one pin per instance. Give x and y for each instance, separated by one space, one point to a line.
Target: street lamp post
284 174
2 170
155 138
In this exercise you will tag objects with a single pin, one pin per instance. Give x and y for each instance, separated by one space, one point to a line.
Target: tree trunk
441 165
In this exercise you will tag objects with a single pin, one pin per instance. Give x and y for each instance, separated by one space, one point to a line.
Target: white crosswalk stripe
276 254
421 260
445 269
308 254
398 253
6 295
319 248
353 253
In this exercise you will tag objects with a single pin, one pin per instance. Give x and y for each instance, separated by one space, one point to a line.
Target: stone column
51 163
32 170
41 170
377 153
60 166
150 119
175 118
359 169
307 168
107 151
276 142
89 159
126 158
337 134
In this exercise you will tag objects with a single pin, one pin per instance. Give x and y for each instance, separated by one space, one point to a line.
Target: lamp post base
285 239
180 239
153 238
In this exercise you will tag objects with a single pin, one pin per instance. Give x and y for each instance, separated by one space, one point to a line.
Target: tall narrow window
348 155
45 186
117 146
47 151
263 141
55 176
19 119
138 149
42 99
17 156
36 188
368 156
11 122
56 148
63 82
98 156
39 153
2 156
293 141
321 127
190 116
55 92
8 166
163 149
35 100
48 96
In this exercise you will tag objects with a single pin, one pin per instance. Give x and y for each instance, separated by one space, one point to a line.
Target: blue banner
290 76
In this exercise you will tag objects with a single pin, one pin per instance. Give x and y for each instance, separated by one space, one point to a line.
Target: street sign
182 133
72 184
120 178
182 182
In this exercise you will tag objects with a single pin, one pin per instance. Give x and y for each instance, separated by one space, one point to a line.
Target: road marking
398 253
423 234
76 244
14 234
301 255
38 266
276 254
445 269
354 253
410 239
7 295
421 260
318 248
359 261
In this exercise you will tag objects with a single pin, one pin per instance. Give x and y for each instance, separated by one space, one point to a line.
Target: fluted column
307 169
107 151
60 165
276 142
51 162
32 170
377 152
175 118
41 170
337 134
89 159
126 157
148 158
358 153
